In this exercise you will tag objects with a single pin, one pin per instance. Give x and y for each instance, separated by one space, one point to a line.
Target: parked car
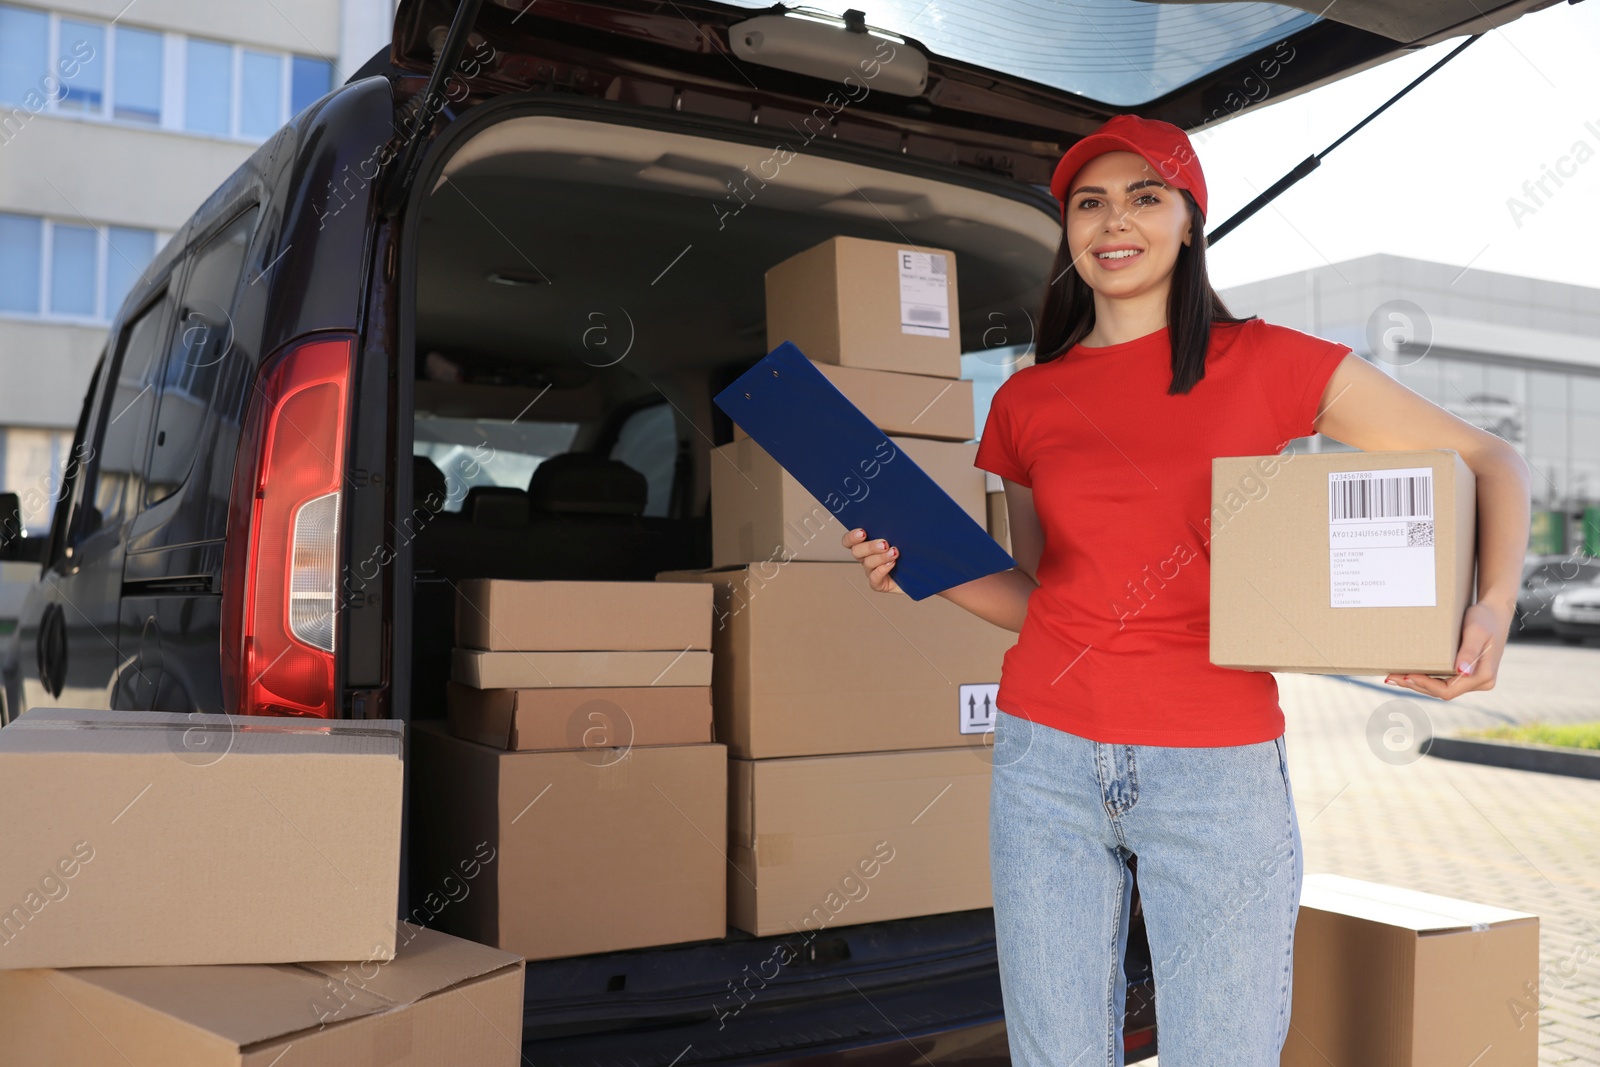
522 249
1576 614
1543 580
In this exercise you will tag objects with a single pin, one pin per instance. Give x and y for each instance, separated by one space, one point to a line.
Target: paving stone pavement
1517 839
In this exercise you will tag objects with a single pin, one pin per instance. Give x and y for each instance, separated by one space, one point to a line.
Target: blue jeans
1219 869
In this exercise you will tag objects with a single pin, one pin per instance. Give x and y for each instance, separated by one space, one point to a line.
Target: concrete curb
1548 759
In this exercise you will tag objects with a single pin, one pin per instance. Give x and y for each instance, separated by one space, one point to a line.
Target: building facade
116 120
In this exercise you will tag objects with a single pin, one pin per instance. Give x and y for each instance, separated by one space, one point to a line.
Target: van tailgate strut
444 62
1311 162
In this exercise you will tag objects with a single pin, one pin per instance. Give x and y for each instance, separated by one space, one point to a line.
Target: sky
1431 178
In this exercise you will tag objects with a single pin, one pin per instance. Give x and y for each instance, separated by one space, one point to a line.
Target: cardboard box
148 838
823 841
581 852
880 305
440 1000
553 616
1341 562
999 520
809 660
910 405
759 511
1390 977
528 670
584 717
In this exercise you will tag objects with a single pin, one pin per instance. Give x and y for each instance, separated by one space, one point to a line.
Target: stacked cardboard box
856 722
167 877
564 664
580 755
879 320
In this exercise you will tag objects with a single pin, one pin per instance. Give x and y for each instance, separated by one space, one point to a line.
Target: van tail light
281 563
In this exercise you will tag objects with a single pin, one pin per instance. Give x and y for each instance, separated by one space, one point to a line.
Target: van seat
498 506
579 483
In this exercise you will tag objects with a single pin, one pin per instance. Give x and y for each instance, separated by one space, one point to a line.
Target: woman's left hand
1483 639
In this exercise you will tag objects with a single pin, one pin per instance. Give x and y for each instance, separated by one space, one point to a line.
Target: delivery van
464 316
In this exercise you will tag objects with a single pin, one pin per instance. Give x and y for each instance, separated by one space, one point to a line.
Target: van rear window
497 452
1114 51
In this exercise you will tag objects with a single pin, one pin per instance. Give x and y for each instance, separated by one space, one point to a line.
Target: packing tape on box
774 850
747 541
267 726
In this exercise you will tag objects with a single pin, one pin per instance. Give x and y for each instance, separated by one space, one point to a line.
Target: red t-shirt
1116 643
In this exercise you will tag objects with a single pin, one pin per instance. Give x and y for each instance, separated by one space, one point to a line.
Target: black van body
295 290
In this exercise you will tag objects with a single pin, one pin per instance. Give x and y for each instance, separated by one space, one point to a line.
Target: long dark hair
1192 306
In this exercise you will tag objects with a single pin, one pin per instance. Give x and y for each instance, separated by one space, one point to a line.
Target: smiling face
1118 201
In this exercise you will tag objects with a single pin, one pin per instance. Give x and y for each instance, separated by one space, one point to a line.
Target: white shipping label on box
1380 539
924 293
977 708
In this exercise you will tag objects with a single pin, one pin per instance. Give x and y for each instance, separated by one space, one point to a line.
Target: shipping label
1380 538
924 293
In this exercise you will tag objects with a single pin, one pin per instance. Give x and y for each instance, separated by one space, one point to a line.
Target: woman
1116 737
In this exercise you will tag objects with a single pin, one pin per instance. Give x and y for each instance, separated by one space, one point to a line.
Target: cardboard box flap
241 1004
247 1004
141 732
432 961
1408 909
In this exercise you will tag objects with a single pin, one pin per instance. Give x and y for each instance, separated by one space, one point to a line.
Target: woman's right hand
877 557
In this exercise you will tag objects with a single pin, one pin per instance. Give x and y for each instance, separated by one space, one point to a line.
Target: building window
24 63
74 266
312 78
140 62
119 73
261 94
1584 445
130 250
208 87
71 271
21 263
81 49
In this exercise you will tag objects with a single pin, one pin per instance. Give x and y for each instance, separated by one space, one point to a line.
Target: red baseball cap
1164 146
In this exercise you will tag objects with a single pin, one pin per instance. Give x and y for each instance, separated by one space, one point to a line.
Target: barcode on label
1381 498
916 314
936 264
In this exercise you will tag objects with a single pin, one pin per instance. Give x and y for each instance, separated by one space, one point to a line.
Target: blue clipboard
802 420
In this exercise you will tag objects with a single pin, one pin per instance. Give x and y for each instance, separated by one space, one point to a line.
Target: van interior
583 289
